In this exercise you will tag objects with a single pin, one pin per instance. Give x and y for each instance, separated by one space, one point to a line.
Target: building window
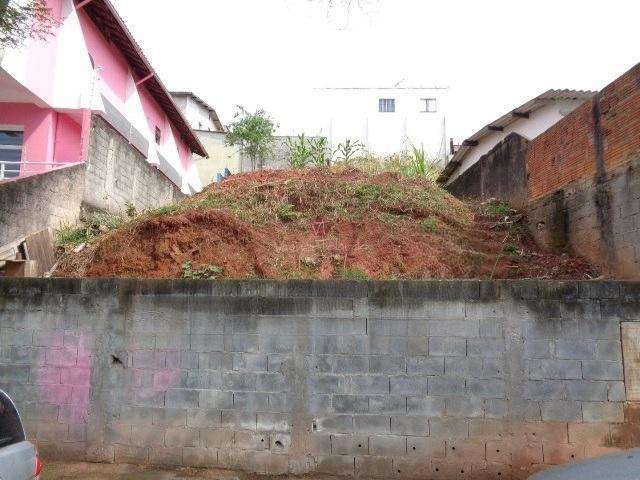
387 105
429 105
158 136
10 152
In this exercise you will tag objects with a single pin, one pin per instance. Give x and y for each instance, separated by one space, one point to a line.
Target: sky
494 55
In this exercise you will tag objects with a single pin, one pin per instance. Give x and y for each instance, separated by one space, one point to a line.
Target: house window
158 136
429 105
387 105
10 152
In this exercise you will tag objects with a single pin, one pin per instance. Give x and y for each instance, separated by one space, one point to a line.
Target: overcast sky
493 54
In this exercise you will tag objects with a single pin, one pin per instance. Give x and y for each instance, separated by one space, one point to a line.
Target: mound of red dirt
322 224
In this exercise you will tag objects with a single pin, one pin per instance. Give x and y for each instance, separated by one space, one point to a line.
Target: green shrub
429 225
206 272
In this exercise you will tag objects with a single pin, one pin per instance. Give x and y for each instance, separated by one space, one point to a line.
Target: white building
386 120
528 120
200 115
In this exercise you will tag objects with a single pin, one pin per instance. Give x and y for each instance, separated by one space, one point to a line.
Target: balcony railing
22 169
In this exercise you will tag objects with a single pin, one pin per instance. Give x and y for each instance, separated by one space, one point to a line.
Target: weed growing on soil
499 208
207 272
353 273
72 236
429 225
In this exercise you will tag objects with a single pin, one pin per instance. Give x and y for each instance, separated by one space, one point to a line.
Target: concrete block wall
434 379
118 174
31 204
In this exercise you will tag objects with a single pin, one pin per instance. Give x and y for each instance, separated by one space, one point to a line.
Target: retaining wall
459 379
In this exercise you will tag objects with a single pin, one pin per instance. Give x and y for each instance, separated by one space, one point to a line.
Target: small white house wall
537 123
354 114
196 114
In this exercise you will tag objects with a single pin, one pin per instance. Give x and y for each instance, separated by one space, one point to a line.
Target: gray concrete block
333 424
616 392
464 407
486 388
201 418
603 412
350 403
199 457
372 384
464 367
425 365
170 417
491 328
250 401
427 406
485 347
554 369
387 445
454 328
609 350
341 465
147 436
600 370
182 437
408 385
217 438
251 441
374 467
327 384
350 364
386 364
249 362
349 444
561 411
272 382
545 389
448 428
539 348
239 381
274 422
412 426
575 349
584 390
183 398
371 424
387 404
235 419
446 386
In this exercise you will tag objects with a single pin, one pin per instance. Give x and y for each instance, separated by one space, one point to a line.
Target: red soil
339 225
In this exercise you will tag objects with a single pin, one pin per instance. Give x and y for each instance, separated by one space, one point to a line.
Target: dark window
387 105
11 430
10 153
158 136
429 105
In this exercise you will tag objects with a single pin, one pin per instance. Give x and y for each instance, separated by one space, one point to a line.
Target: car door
17 456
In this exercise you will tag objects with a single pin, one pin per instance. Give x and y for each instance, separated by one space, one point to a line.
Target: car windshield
11 430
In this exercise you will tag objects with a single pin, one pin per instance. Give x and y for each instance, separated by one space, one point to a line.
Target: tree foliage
22 20
253 133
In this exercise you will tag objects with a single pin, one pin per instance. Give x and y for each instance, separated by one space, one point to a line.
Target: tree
26 19
253 133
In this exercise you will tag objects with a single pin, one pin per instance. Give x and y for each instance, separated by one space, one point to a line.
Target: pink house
53 92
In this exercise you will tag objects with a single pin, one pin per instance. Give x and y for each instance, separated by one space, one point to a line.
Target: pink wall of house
49 136
114 68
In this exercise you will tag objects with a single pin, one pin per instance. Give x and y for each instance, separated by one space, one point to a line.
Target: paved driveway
92 471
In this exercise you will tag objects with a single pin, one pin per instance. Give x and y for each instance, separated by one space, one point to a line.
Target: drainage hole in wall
414 448
116 361
359 445
499 473
262 440
461 471
314 425
573 456
497 451
453 448
279 444
399 471
437 469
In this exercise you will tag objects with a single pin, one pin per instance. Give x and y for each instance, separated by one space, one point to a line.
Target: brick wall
583 183
400 379
117 174
31 204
